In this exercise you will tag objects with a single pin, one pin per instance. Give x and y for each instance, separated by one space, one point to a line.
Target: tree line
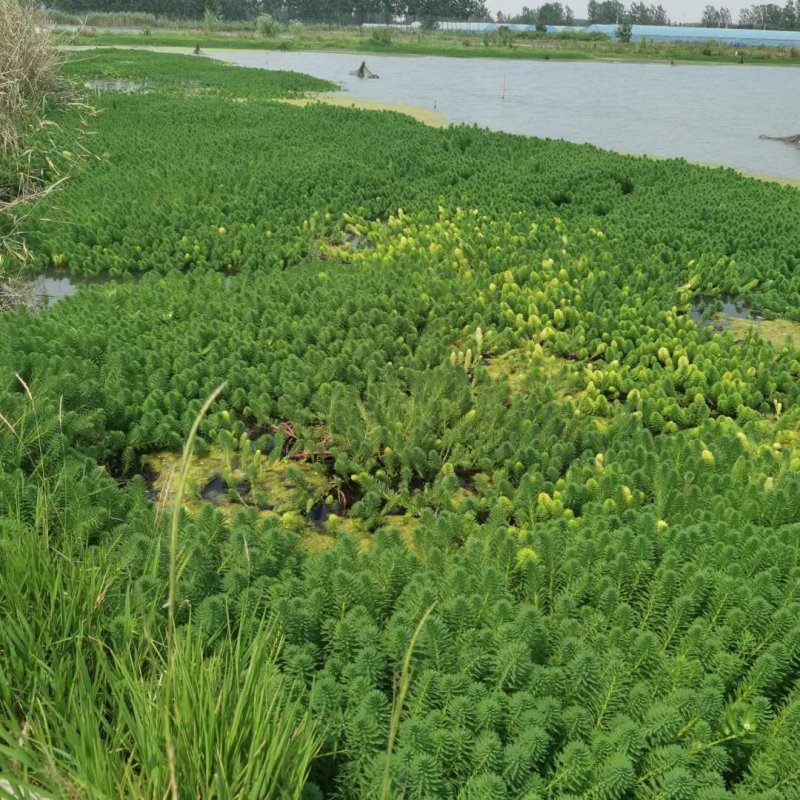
768 15
613 11
333 11
599 12
174 9
357 11
547 14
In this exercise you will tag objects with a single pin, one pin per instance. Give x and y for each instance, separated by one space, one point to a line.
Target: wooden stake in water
503 95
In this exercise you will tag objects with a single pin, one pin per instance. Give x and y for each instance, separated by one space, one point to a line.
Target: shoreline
419 113
552 50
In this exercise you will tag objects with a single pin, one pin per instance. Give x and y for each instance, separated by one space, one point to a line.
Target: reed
29 68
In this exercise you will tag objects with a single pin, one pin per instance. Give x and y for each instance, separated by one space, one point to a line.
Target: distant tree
625 31
238 9
358 11
605 11
747 18
660 16
547 14
772 16
716 17
552 14
528 16
641 14
710 18
790 16
768 15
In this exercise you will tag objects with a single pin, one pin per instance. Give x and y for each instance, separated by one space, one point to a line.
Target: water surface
707 114
47 290
117 85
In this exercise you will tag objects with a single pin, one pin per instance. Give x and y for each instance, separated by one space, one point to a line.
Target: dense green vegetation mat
466 371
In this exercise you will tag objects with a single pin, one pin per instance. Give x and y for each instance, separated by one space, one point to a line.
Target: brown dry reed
29 80
29 67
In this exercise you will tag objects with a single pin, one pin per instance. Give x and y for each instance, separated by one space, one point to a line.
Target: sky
677 10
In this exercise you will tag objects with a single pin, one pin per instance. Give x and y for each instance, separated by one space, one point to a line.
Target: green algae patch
513 365
290 491
282 487
315 542
423 115
338 526
405 525
778 332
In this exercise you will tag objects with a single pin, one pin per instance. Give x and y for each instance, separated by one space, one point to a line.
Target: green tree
710 18
715 17
790 16
605 11
641 14
768 15
528 16
553 14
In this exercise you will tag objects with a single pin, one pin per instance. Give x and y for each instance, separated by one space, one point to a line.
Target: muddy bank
423 115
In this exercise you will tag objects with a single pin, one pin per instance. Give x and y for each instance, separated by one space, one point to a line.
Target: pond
703 311
706 114
48 290
735 316
117 85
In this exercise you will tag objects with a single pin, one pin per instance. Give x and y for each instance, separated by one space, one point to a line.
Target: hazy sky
678 10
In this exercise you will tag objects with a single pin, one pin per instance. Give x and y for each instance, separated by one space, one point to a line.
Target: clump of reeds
29 67
29 80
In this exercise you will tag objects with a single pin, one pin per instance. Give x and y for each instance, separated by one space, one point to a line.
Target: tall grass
139 19
398 705
55 16
121 19
95 726
98 702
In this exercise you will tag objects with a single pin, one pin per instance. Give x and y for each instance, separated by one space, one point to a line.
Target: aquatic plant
475 396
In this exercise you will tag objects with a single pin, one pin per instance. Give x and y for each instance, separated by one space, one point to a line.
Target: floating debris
364 72
787 139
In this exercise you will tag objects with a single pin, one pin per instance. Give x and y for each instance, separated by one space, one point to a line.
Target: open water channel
707 114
